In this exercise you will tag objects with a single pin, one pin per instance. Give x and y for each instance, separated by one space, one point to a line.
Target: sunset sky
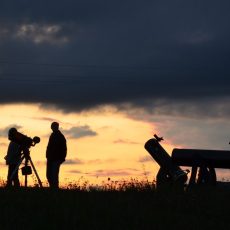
113 73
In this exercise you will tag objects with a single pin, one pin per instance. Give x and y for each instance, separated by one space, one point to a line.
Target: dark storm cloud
81 54
204 107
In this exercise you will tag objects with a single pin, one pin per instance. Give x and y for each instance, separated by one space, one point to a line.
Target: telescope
203 163
169 171
21 139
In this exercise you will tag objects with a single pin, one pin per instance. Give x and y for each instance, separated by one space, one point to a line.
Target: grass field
131 208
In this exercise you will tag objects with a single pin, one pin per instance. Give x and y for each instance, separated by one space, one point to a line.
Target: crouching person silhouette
55 153
12 158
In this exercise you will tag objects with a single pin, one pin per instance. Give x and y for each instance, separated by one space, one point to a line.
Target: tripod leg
26 164
192 180
39 181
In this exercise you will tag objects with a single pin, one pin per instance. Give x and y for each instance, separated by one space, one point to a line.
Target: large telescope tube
165 161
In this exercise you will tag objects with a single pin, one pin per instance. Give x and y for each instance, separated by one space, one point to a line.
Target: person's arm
63 148
49 146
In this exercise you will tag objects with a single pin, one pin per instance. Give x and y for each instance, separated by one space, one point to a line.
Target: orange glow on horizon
117 151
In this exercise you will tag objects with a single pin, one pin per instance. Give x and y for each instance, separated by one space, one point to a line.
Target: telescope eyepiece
36 139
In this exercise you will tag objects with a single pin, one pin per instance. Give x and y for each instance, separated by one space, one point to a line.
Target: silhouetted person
12 160
55 154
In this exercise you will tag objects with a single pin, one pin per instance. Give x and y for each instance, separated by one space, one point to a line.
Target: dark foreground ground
203 208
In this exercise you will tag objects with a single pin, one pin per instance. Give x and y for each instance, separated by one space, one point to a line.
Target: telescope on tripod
169 171
202 161
24 143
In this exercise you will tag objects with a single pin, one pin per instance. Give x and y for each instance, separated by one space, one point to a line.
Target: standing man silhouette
55 153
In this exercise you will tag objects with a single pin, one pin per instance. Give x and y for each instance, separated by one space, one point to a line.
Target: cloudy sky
163 63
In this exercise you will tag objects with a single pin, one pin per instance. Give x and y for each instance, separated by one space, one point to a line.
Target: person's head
11 133
55 126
